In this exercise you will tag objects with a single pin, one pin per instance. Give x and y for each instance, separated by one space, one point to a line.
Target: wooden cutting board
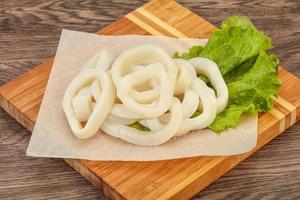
176 179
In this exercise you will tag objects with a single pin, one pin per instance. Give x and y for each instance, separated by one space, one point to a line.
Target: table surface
29 33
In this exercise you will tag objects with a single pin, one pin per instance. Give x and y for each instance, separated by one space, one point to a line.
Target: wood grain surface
29 31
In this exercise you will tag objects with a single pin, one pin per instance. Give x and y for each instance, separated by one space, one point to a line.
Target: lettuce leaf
250 92
230 117
236 42
256 85
241 21
194 51
250 73
139 126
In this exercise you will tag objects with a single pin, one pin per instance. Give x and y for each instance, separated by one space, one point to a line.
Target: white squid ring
152 124
120 111
210 69
149 95
208 115
142 55
101 60
123 121
101 109
140 76
185 75
83 104
151 138
189 103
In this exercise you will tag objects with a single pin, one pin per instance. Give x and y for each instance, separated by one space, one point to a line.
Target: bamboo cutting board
176 179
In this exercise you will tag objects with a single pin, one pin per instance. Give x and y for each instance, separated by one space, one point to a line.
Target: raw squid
206 97
210 69
104 99
151 138
142 56
185 76
145 85
154 71
101 60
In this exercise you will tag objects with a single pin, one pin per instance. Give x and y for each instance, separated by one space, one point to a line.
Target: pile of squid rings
145 85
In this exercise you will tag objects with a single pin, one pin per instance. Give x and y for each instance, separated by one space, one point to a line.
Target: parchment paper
52 136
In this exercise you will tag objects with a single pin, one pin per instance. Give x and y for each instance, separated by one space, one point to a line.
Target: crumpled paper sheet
52 136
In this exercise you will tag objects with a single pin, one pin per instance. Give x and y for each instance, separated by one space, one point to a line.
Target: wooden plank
175 179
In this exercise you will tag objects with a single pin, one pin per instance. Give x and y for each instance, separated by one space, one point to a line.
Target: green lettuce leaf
235 43
241 21
237 73
250 91
239 48
230 117
139 126
196 114
194 51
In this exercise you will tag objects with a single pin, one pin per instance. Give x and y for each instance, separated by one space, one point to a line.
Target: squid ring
101 60
151 138
104 101
149 95
185 75
189 103
210 69
208 115
82 104
142 55
140 76
123 121
119 110
153 124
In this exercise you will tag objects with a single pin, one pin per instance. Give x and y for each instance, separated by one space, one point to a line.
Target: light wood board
176 179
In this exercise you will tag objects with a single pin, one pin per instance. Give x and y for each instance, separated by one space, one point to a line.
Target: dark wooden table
29 33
